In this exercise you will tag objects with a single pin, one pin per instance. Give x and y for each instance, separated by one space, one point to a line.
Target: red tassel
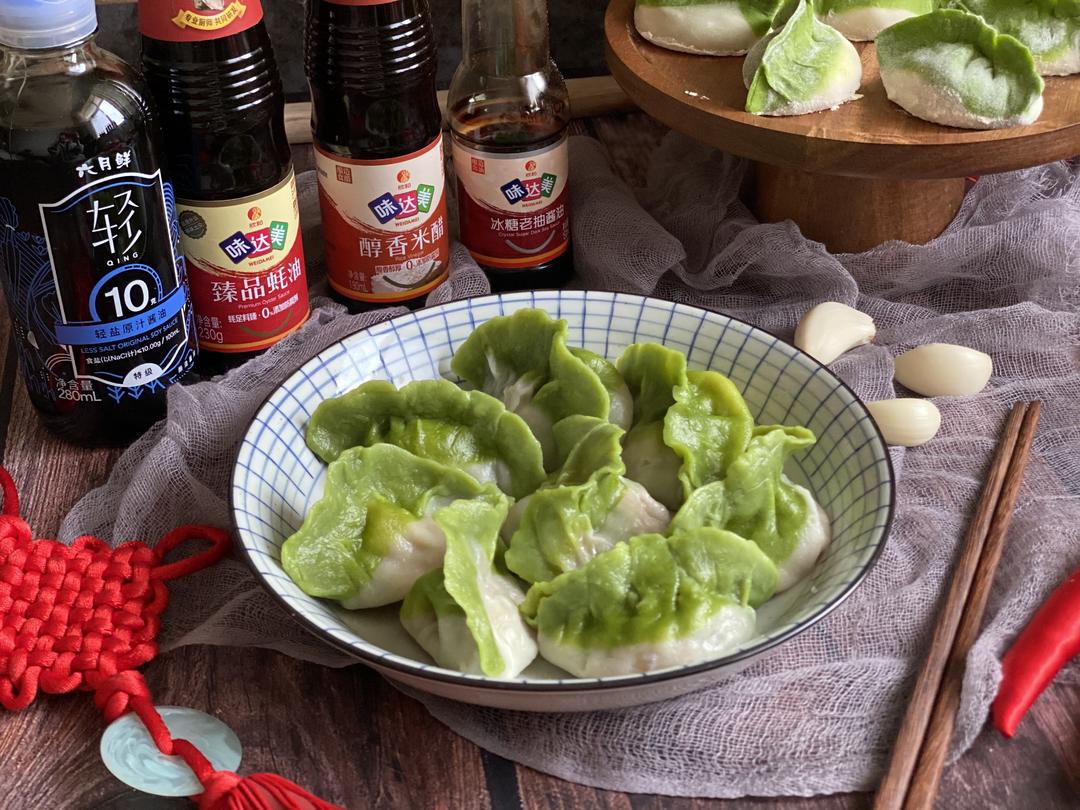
260 791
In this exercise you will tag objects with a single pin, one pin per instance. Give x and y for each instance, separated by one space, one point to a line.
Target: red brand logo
344 174
530 166
478 166
254 213
403 176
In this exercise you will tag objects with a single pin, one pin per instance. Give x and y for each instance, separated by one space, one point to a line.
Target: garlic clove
944 370
828 330
906 422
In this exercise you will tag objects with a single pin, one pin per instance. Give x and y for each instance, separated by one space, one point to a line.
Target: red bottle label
384 222
196 20
514 210
246 268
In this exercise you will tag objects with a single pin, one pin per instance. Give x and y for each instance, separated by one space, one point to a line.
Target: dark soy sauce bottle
213 76
95 285
509 111
377 129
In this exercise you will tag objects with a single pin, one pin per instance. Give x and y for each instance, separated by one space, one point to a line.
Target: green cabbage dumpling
652 602
524 361
951 68
1049 28
465 614
757 501
688 425
802 66
381 524
588 508
437 420
863 20
714 27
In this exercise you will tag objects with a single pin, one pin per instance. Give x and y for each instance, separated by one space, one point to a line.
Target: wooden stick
909 740
939 733
594 95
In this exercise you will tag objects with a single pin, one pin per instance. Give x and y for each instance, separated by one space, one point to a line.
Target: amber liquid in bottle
377 129
509 111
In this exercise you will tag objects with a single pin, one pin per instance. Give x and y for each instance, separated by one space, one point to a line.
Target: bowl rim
482 683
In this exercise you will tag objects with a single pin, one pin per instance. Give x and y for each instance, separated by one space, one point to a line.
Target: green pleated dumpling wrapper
802 67
652 373
588 508
465 614
376 528
757 501
651 603
620 403
1049 28
863 20
714 27
950 67
435 419
524 360
688 425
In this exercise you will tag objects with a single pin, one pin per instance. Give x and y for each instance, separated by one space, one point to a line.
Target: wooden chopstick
992 515
924 785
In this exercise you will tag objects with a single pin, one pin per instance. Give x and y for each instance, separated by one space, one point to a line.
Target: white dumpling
416 550
654 465
811 540
716 28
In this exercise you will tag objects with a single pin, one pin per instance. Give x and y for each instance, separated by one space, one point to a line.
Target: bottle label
196 20
100 301
514 209
246 263
384 222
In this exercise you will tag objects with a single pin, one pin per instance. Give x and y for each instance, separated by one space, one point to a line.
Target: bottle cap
42 24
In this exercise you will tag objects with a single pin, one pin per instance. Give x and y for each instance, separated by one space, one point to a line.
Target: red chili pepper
1051 638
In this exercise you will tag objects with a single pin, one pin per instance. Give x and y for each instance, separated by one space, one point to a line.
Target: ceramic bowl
277 479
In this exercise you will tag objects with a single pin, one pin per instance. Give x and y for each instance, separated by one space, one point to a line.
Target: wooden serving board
867 167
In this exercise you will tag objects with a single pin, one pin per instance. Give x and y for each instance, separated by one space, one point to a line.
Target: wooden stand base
853 214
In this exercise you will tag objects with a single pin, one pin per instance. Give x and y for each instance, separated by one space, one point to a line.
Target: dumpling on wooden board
802 67
863 20
1049 28
950 67
710 27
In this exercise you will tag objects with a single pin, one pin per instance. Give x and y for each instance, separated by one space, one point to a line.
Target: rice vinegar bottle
377 132
509 111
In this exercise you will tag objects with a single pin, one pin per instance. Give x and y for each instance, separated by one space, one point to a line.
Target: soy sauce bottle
377 130
95 285
509 111
211 69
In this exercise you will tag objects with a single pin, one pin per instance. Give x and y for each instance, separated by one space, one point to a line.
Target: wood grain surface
704 96
350 737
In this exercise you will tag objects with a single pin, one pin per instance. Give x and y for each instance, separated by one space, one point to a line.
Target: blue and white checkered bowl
277 479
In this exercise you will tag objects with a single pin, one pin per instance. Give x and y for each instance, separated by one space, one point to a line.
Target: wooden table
350 737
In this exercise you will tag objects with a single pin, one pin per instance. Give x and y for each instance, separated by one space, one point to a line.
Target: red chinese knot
84 616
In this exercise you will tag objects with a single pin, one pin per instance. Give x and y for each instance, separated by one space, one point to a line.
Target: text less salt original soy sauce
88 238
211 69
378 148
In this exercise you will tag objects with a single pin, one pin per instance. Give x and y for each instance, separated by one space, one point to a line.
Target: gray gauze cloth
818 716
